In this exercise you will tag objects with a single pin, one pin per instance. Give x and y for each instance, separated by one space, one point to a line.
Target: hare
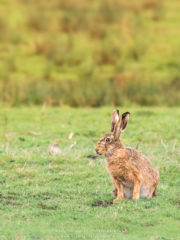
132 173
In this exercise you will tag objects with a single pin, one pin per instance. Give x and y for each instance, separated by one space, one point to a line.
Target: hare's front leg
120 193
136 190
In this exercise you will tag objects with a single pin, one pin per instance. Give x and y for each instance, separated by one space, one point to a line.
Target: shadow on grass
92 156
102 203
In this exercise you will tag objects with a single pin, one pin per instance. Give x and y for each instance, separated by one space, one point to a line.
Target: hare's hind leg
120 193
154 192
156 184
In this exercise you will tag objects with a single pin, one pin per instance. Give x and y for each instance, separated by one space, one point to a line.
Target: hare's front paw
117 200
135 198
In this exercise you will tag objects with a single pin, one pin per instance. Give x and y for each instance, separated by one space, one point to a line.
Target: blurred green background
89 52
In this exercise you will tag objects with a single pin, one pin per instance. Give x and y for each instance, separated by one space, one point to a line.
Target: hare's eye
108 139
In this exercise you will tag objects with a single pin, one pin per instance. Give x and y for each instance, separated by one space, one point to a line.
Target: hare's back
150 175
138 158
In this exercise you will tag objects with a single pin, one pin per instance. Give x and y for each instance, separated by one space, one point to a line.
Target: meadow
70 196
89 53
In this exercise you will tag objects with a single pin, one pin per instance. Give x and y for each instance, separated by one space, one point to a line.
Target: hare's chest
121 171
116 169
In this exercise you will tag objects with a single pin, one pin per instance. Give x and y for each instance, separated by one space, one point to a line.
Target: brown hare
132 173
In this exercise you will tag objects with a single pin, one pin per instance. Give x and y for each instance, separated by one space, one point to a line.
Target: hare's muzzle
97 150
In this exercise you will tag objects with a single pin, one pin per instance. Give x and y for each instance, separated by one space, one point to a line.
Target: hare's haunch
132 173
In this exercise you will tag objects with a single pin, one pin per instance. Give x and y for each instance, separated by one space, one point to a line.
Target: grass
69 196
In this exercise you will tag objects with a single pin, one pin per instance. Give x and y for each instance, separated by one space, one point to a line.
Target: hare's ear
115 118
124 120
121 125
117 130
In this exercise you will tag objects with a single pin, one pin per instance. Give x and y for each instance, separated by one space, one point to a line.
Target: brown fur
132 173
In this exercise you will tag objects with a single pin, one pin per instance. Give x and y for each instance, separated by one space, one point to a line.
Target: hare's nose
97 151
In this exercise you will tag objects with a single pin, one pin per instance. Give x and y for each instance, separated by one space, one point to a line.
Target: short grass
68 196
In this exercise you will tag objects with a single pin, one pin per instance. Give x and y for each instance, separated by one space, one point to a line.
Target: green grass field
68 196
